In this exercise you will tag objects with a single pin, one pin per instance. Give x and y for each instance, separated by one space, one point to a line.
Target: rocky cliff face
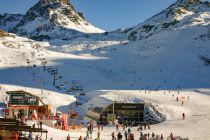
9 21
53 19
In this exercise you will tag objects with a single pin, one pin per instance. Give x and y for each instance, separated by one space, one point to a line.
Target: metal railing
156 112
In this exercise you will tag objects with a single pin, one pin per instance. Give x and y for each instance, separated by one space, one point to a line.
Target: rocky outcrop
9 21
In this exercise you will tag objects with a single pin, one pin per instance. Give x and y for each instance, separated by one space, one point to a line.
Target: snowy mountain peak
181 14
50 19
51 9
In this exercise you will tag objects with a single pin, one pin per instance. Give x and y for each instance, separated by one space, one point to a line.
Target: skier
153 134
141 136
141 128
40 123
30 136
37 138
172 136
126 135
80 138
113 137
138 129
68 137
33 126
130 136
91 133
129 130
161 136
123 127
98 135
117 127
183 116
98 126
16 135
119 136
87 134
148 126
102 127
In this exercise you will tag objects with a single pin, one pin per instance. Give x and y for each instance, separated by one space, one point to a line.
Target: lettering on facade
128 107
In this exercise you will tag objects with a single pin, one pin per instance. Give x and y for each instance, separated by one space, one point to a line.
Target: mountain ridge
181 13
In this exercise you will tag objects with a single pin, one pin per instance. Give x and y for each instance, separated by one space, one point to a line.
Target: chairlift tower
44 64
28 62
54 72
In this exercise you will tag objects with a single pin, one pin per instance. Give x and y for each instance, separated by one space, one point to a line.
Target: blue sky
106 14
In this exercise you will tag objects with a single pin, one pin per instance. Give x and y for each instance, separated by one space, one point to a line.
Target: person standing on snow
126 135
129 130
119 136
98 135
30 136
117 127
80 138
113 137
98 126
87 134
16 135
68 137
148 125
153 134
183 116
172 136
40 124
161 136
102 126
91 134
130 136
37 138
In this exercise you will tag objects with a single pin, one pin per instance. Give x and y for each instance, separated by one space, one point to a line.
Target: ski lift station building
125 109
22 102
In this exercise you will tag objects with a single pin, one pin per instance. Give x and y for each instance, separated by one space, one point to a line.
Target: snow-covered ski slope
170 60
110 66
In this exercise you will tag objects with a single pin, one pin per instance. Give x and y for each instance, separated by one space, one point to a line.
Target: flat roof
20 92
25 92
108 99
